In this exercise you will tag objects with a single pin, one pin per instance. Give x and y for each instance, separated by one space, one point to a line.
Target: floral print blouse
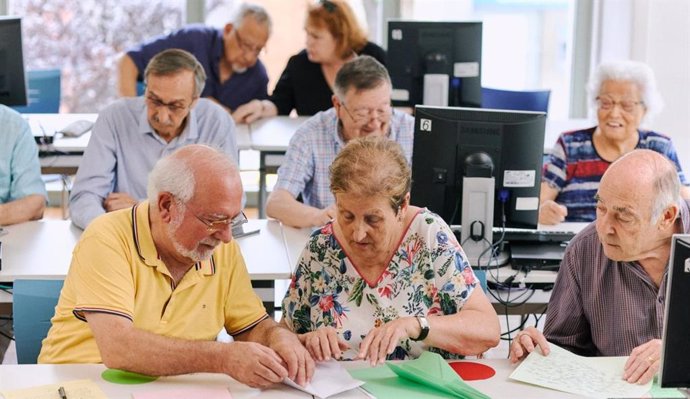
428 275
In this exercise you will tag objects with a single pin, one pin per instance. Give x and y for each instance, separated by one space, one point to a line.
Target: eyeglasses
247 47
218 225
361 116
174 108
605 103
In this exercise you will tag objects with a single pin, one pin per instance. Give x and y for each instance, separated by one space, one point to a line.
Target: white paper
330 378
597 377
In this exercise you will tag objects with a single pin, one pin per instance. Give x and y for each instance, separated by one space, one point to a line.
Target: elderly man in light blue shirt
22 192
361 107
133 133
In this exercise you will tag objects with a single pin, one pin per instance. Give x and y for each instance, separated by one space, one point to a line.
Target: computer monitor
451 149
12 79
674 371
435 63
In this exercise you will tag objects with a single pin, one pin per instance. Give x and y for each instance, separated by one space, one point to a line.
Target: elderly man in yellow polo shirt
149 287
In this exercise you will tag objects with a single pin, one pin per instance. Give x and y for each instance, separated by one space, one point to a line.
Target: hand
324 344
300 365
643 363
249 112
323 216
525 342
254 364
115 201
381 341
551 212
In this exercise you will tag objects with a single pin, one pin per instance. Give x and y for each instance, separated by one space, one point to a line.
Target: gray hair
172 61
630 71
362 73
175 173
255 11
667 189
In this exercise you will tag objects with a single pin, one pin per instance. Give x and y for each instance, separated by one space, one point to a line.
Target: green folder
429 376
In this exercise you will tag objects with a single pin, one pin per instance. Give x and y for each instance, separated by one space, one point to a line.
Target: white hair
630 71
173 175
255 11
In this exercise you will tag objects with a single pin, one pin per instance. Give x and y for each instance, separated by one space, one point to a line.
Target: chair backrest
33 306
44 92
141 88
516 100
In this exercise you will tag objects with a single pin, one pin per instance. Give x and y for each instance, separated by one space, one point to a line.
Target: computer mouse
76 128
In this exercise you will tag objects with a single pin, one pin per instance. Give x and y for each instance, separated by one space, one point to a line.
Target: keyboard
536 236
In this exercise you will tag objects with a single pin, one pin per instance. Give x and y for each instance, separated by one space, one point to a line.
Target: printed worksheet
597 377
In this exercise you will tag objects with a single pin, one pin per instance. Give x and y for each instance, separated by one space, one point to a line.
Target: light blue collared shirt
124 148
20 171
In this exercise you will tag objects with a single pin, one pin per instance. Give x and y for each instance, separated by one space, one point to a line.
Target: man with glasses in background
230 58
361 107
133 133
149 287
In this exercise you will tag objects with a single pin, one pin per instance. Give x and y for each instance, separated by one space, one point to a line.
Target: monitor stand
435 89
477 221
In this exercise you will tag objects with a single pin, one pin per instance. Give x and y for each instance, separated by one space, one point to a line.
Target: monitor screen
446 54
12 79
445 137
675 356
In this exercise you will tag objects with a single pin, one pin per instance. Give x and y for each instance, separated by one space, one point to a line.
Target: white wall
666 48
656 32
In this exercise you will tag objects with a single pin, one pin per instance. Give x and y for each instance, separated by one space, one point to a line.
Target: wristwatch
424 324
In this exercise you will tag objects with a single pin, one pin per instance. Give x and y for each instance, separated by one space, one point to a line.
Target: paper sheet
329 378
79 389
598 377
185 393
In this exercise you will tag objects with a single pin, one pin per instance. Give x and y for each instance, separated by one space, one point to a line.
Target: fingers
551 212
643 363
525 343
334 346
641 371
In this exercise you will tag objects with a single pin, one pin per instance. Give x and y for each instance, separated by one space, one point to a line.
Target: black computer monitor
445 137
675 357
435 49
12 79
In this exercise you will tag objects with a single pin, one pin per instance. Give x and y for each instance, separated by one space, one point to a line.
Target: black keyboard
526 235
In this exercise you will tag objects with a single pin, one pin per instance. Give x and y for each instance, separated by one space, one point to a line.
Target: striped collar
146 247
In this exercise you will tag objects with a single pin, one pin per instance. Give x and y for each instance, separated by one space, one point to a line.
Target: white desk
24 376
64 155
43 250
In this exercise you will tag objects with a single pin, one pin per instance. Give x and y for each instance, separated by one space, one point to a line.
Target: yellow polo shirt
116 269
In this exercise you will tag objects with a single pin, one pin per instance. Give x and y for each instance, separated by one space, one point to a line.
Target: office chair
516 100
44 92
33 306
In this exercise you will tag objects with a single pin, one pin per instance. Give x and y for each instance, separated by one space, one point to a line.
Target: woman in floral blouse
385 280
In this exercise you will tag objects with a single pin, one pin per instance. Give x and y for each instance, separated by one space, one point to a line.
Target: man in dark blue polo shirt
229 56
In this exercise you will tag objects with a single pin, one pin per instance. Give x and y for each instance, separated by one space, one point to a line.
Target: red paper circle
470 371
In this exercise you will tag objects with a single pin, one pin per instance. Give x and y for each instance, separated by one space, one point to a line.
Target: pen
62 393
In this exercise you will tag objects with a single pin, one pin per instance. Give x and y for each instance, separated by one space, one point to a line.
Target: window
525 46
85 39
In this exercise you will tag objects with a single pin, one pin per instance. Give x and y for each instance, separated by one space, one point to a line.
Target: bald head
647 176
191 167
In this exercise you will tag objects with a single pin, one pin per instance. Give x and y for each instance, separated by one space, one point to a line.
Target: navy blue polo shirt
206 44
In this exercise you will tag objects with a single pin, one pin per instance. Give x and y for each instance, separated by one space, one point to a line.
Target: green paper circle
125 377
